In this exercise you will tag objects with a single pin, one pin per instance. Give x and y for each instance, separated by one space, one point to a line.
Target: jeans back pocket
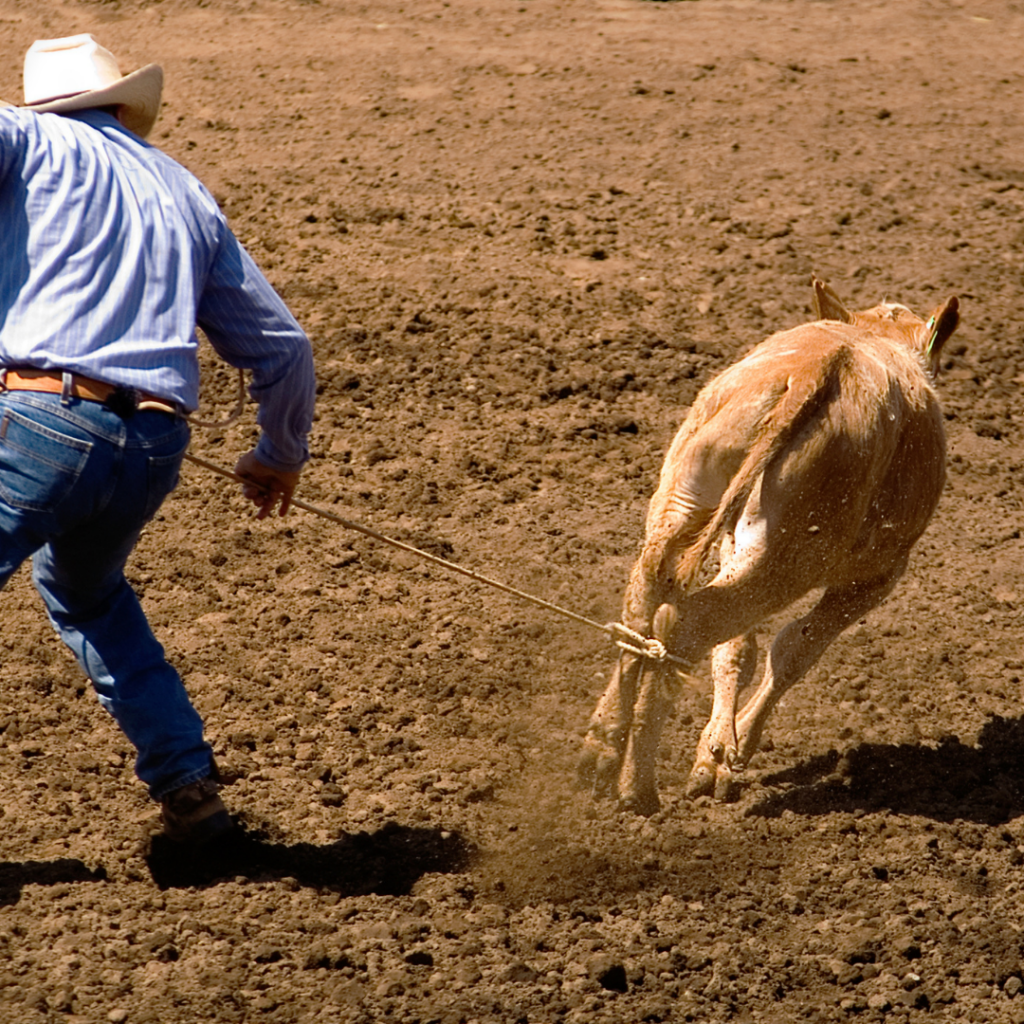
38 465
162 472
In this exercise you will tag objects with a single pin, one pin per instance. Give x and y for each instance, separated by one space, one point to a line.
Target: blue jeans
77 485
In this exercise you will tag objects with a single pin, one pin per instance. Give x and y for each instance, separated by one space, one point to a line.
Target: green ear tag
934 335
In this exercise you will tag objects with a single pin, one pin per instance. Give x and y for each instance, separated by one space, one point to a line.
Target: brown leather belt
52 382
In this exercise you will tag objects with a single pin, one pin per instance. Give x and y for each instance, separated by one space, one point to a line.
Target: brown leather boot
195 814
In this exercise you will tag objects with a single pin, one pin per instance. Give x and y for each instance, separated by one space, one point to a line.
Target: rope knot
655 649
627 639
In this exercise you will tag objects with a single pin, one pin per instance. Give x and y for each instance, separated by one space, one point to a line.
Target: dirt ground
521 236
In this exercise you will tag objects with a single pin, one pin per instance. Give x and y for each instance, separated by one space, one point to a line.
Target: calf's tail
799 402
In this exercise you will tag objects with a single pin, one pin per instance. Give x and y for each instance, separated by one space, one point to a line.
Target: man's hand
266 487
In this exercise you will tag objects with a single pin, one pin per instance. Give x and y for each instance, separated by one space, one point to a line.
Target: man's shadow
983 783
387 862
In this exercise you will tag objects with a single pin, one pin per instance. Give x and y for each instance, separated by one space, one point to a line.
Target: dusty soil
521 236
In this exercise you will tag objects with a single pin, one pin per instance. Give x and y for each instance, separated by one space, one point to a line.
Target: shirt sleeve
9 130
250 327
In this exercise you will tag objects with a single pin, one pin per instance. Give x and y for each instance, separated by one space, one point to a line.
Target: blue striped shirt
111 253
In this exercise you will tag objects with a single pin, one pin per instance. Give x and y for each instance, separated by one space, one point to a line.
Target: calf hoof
598 770
702 781
586 769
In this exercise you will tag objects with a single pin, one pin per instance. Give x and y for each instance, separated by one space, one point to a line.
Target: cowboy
112 254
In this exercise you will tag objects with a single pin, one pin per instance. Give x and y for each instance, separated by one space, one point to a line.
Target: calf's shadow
15 875
982 783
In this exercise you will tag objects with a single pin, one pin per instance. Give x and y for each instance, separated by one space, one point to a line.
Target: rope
623 637
231 416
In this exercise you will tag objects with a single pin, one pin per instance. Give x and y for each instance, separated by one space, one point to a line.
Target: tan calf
815 462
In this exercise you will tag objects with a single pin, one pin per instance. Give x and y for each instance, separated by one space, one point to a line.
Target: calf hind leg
605 742
638 787
732 668
798 647
604 745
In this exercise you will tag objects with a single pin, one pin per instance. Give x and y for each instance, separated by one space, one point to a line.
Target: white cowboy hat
76 73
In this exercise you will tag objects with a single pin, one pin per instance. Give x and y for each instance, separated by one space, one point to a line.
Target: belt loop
69 383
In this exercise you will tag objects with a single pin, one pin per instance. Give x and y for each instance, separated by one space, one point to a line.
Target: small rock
391 985
847 973
348 993
35 999
368 931
468 974
608 973
1012 985
63 1001
521 973
860 946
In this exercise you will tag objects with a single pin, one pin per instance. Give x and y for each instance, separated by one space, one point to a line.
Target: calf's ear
937 331
828 305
